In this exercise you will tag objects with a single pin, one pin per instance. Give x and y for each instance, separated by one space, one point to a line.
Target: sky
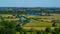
29 3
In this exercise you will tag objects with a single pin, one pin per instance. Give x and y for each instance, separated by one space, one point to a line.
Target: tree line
32 10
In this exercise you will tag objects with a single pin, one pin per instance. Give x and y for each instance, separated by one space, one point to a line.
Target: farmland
40 22
35 23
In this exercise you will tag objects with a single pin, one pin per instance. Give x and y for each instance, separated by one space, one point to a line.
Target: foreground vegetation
12 28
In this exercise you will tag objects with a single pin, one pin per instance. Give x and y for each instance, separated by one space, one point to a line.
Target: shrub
48 30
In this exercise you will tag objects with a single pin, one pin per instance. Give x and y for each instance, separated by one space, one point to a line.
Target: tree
48 30
32 30
19 28
44 32
54 24
56 31
25 32
6 28
38 32
7 24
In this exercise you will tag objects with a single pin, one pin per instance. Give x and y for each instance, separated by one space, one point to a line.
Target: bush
25 32
18 28
54 24
7 28
56 31
38 32
48 30
7 31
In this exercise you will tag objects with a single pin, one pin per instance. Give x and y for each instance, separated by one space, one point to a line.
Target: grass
38 24
58 24
5 15
17 32
35 23
11 19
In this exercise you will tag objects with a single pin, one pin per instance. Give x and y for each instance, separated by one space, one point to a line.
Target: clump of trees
54 23
9 27
56 31
48 29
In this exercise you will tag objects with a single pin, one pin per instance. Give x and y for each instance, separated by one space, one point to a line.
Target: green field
36 24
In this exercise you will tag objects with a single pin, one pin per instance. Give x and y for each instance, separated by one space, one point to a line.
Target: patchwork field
35 23
41 25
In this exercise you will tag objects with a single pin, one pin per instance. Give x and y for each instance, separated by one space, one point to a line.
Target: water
33 15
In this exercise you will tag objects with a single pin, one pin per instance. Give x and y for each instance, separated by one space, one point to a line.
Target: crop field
36 23
41 25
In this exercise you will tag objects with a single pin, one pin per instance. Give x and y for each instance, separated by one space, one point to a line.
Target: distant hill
29 9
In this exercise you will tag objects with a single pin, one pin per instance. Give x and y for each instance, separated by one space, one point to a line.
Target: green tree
19 28
6 28
38 32
48 30
25 32
56 31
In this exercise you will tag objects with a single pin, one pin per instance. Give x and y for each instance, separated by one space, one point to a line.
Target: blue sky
29 3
